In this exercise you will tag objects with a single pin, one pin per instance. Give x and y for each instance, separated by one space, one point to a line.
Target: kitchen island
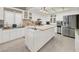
37 36
77 40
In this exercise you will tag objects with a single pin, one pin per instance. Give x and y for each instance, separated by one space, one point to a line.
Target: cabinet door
6 35
13 34
18 18
29 39
9 17
40 38
37 39
21 32
76 41
1 36
1 13
17 33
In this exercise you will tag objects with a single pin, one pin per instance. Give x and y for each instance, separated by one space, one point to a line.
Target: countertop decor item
14 25
38 22
47 22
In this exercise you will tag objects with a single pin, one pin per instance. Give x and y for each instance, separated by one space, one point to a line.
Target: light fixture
44 10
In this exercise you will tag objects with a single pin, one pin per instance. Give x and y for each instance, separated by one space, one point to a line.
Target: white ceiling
51 10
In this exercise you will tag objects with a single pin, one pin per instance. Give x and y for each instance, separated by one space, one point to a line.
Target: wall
69 12
43 18
36 14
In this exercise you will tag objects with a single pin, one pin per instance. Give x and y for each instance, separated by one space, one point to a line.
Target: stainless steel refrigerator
69 25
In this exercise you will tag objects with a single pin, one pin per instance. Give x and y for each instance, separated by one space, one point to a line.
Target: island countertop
42 27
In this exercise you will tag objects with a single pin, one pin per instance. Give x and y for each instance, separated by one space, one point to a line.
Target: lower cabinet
1 36
20 32
16 33
76 41
42 37
6 36
11 34
29 39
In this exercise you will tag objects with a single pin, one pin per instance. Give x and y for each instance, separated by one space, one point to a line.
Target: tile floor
58 44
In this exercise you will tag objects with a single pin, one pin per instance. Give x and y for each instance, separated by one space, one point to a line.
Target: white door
8 17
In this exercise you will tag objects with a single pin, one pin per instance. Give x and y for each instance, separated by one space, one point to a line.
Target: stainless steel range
59 24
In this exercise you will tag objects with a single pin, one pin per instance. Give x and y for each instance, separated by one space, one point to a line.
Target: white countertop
43 27
77 30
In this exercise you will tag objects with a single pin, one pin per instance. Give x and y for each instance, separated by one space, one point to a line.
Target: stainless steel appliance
77 22
59 24
69 25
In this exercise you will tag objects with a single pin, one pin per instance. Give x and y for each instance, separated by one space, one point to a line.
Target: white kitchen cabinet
1 13
35 39
77 41
13 34
0 35
8 17
16 33
22 32
18 18
29 41
11 17
42 37
6 36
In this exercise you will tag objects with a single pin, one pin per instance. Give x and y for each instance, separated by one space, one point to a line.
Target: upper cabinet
1 13
25 14
8 18
18 19
13 16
